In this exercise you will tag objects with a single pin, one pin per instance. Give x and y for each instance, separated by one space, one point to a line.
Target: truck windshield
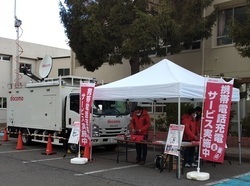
102 107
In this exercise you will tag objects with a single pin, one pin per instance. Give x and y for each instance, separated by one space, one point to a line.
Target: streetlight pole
203 49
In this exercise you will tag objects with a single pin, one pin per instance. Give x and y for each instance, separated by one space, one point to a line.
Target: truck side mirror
99 109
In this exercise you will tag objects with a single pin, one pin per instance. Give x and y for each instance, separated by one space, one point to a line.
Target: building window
223 26
63 72
4 58
24 66
159 107
3 102
193 46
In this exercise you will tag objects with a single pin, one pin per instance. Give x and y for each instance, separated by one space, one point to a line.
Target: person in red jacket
198 110
140 124
191 133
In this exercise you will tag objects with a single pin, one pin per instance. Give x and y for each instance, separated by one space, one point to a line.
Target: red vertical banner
86 97
216 113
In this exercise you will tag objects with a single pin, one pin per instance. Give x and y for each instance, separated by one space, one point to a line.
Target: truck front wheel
26 139
111 147
73 148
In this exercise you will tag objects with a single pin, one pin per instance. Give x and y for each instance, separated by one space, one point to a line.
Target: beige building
30 56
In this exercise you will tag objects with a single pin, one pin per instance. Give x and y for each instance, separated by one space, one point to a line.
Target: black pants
189 153
141 150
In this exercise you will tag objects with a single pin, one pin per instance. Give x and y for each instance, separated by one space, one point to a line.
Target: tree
109 30
239 32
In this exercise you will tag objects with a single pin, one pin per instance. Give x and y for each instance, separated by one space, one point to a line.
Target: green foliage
239 32
245 124
182 21
230 131
109 30
163 120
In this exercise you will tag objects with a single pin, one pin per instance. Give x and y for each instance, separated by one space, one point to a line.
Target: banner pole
197 175
199 153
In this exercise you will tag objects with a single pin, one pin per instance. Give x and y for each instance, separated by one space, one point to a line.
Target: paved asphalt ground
29 167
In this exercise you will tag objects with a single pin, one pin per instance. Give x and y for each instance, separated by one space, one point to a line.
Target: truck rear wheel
26 139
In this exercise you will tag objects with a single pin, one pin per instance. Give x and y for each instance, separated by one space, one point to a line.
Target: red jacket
198 124
191 129
141 122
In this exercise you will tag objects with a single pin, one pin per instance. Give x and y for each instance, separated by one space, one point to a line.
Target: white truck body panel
37 108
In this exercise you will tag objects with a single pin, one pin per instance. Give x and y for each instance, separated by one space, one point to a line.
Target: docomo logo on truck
114 121
16 98
46 65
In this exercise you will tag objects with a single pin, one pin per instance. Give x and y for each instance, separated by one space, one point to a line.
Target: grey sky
40 22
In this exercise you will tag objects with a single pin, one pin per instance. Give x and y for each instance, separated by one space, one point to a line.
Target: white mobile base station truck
52 106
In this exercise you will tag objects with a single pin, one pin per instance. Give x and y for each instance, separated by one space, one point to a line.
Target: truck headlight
95 131
128 130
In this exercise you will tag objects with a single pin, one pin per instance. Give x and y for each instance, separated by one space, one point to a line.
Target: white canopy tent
163 82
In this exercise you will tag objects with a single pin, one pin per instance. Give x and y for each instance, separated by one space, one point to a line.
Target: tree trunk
134 64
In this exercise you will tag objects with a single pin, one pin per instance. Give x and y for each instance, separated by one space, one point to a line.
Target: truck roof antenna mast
19 50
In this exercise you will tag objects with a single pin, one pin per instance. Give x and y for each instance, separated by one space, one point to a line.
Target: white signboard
75 133
171 146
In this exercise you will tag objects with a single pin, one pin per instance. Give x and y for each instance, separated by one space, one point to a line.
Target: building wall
105 74
226 60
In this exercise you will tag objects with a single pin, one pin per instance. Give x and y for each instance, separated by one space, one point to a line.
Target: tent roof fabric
163 82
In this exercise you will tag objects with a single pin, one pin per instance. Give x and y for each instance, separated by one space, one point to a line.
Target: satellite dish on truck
44 69
45 66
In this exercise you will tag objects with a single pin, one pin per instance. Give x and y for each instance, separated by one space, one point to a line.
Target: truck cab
108 119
